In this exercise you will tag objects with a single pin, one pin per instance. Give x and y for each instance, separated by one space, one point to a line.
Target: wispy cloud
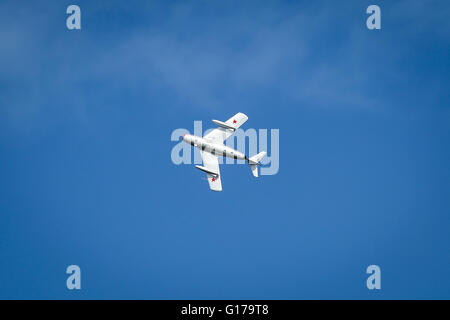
203 54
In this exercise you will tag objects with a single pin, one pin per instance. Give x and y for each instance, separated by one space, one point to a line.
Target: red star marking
213 179
234 121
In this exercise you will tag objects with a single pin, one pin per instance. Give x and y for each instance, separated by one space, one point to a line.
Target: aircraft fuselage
213 148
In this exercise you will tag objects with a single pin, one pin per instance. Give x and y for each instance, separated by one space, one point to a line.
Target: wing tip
243 115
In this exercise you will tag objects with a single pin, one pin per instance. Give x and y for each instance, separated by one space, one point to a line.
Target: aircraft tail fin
254 162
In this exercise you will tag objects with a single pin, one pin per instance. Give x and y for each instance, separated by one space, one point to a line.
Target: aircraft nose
182 138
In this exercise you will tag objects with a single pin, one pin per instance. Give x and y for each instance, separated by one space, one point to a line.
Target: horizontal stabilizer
256 159
254 168
254 162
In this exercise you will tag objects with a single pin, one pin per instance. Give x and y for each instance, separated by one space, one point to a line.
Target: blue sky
87 179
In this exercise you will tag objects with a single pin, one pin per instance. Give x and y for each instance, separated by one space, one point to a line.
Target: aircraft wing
219 135
211 163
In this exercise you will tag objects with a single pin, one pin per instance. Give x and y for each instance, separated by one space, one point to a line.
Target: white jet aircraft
211 146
